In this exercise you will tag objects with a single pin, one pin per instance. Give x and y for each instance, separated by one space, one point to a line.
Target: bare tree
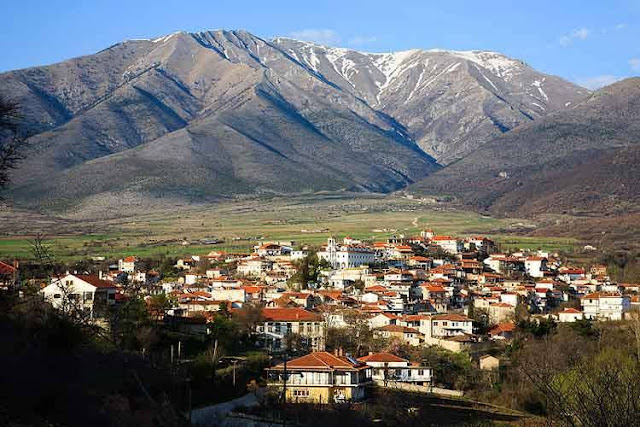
12 139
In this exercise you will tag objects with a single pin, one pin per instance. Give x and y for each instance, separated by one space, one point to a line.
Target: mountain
219 113
450 101
582 160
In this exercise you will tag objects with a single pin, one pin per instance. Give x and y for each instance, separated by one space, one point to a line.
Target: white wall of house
228 294
73 292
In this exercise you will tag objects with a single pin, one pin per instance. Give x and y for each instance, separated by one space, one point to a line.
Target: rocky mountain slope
217 113
583 160
450 101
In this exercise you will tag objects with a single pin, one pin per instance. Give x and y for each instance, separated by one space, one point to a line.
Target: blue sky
591 42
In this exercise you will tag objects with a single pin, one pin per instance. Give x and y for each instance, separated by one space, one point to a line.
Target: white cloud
621 26
579 34
361 40
634 63
596 82
321 36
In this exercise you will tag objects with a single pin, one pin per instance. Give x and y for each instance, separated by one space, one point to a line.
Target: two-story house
81 293
322 377
605 306
388 367
277 323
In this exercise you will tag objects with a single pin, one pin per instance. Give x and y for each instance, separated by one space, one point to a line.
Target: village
339 319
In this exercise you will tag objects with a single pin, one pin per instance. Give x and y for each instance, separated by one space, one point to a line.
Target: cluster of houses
419 291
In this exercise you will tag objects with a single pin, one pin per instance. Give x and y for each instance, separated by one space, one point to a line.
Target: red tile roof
381 357
503 327
290 315
321 360
452 317
6 268
95 281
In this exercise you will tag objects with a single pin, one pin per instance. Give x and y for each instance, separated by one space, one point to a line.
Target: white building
448 244
254 266
297 255
570 315
228 294
605 306
346 256
447 325
387 367
535 266
279 322
80 292
127 265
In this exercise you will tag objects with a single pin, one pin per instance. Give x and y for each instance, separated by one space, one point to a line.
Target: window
301 393
57 296
421 372
112 296
88 296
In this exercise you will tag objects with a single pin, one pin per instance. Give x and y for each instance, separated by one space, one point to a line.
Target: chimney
335 352
370 353
100 274
16 264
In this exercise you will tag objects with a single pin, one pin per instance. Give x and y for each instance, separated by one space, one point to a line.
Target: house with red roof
405 334
278 323
8 274
388 368
570 314
322 377
605 306
127 264
447 325
502 331
448 244
81 293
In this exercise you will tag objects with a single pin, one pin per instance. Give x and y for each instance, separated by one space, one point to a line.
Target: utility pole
284 388
234 373
213 361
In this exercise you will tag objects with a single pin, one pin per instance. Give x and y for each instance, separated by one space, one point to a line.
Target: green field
242 223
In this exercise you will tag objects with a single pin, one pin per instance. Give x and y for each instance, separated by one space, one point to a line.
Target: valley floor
173 230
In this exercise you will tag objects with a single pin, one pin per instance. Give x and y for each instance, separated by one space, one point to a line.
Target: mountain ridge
261 109
578 161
